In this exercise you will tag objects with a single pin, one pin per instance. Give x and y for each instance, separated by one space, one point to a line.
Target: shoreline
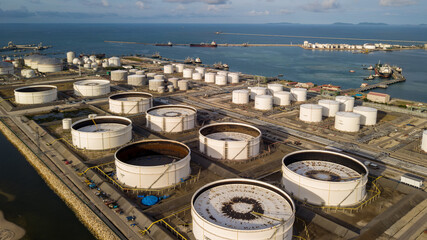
10 230
91 221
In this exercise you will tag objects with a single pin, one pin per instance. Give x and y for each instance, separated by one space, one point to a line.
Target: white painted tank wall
114 62
119 75
168 69
70 57
299 94
240 97
137 80
180 68
154 84
210 77
130 102
171 124
162 175
257 91
274 87
49 68
39 97
221 80
368 115
187 73
104 139
310 113
91 88
282 98
347 121
346 103
330 107
233 78
66 123
424 141
264 102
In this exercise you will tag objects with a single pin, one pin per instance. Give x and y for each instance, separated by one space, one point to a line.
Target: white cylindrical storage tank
274 87
140 72
66 123
264 102
240 96
187 73
86 65
114 62
91 88
133 71
368 115
210 77
325 178
94 65
299 94
49 65
92 58
174 82
220 80
153 164
36 94
101 133
258 91
233 78
330 107
424 141
6 68
130 102
137 80
223 73
70 57
119 75
171 118
347 121
151 75
180 68
28 73
76 61
197 76
242 209
168 69
105 64
171 88
230 141
282 98
200 70
159 77
183 85
154 84
310 113
346 103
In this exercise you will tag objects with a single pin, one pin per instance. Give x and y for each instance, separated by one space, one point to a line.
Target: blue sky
214 11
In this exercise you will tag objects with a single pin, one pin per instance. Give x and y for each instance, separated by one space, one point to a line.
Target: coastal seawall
97 227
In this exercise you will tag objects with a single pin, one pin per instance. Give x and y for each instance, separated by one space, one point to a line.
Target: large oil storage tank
242 209
346 103
130 102
171 118
210 77
275 87
330 107
36 94
174 82
368 115
49 65
230 141
299 94
240 96
221 80
424 141
114 62
282 98
70 57
119 75
264 102
28 73
168 69
257 91
153 163
6 68
347 121
200 70
187 73
326 178
233 78
101 133
310 113
137 80
155 84
91 88
180 67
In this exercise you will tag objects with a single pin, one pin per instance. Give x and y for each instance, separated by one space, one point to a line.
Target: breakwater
98 228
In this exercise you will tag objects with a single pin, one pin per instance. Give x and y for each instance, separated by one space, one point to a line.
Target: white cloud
180 7
258 13
285 11
140 4
394 3
322 6
217 8
105 3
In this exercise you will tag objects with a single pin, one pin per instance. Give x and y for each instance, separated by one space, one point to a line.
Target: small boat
370 77
352 71
220 65
370 68
156 55
188 60
198 60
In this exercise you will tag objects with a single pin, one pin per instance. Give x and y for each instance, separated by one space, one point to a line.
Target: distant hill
373 24
283 23
342 23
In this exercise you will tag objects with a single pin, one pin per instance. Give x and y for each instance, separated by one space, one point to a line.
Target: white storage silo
324 178
347 121
200 70
105 64
233 78
310 113
230 141
174 82
153 164
119 75
274 87
91 88
282 98
159 77
240 96
264 102
346 103
140 72
299 94
101 133
183 85
220 80
171 118
210 77
180 68
151 75
187 73
28 73
168 69
197 76
424 141
368 115
6 68
242 209
114 62
49 65
70 57
130 102
66 123
330 107
258 91
137 80
37 94
154 84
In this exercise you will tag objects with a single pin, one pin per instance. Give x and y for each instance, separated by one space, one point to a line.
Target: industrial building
378 97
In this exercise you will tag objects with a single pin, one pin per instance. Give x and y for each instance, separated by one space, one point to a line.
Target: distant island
342 23
373 24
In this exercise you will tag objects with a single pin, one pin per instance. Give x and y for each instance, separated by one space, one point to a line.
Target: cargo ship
383 70
212 44
169 44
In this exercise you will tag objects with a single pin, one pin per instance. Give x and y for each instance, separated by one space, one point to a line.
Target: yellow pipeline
96 126
162 220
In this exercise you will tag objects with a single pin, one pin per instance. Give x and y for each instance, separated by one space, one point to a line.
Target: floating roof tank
130 102
91 88
171 118
36 94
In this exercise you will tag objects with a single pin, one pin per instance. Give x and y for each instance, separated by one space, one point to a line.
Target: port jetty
136 146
